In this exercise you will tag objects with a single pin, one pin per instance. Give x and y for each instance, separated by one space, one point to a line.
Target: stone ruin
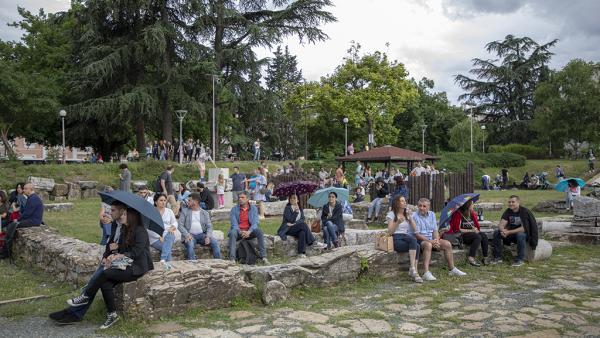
48 190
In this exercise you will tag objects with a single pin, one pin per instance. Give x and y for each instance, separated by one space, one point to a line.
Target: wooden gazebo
388 155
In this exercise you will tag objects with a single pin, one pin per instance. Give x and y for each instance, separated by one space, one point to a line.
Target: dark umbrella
454 204
297 187
150 216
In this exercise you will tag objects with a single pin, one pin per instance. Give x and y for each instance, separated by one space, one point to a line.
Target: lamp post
423 127
483 138
471 118
345 136
63 114
181 114
214 121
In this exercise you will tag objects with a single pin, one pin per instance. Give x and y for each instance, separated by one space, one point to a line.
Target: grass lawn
572 168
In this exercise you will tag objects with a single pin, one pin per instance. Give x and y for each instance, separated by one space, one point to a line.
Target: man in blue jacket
244 225
31 216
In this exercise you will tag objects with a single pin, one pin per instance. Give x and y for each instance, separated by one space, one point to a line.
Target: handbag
455 239
384 242
315 226
121 263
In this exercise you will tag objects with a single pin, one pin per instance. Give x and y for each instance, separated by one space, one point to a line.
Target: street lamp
423 127
471 118
63 114
346 136
483 138
181 114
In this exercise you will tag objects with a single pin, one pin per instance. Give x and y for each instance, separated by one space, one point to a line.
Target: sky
436 39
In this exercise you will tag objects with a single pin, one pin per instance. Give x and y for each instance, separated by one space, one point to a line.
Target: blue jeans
235 234
80 311
256 154
199 239
165 247
405 243
106 228
519 238
375 204
329 233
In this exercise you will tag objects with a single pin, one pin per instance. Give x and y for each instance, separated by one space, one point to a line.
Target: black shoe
68 320
474 263
58 315
78 301
111 318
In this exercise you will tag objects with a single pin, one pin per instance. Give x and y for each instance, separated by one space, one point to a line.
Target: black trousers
107 281
302 233
474 240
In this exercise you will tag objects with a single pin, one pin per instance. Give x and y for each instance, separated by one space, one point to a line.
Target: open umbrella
454 204
150 216
297 187
322 196
562 185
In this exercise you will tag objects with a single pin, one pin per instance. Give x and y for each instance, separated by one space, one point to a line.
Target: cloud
469 8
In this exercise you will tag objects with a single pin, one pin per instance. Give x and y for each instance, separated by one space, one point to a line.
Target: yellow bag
384 242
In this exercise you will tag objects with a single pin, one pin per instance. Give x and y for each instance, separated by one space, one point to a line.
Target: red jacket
456 219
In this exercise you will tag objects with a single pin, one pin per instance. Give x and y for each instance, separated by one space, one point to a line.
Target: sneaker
68 319
417 278
166 265
473 262
428 277
412 273
78 301
111 318
320 245
265 261
456 272
496 261
518 262
301 256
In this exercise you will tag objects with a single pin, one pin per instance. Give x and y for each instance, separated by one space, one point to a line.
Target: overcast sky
433 38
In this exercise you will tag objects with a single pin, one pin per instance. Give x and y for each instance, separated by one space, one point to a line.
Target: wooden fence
429 186
461 183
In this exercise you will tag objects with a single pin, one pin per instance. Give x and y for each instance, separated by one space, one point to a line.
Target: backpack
246 253
158 186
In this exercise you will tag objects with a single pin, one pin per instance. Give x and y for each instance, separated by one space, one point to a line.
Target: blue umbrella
454 204
150 216
321 196
562 185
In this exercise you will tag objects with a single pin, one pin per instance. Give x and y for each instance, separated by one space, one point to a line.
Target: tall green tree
460 136
568 105
502 89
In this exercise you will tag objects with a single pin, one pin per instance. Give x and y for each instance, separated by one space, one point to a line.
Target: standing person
429 239
105 218
245 225
196 228
128 240
485 182
517 225
293 224
124 178
381 193
350 150
359 168
464 222
332 219
256 148
260 185
165 186
339 175
573 190
558 171
238 181
505 178
201 163
31 216
400 226
220 189
591 161
164 243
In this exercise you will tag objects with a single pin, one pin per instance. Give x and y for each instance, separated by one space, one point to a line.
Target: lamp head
62 113
345 120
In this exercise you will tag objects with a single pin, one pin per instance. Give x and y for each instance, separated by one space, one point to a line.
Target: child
221 191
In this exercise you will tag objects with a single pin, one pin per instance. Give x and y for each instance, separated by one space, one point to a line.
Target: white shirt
403 228
196 227
169 220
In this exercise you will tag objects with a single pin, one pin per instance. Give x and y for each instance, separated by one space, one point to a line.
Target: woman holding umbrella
294 225
464 222
401 226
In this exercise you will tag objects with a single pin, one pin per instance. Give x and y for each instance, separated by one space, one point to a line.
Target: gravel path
43 327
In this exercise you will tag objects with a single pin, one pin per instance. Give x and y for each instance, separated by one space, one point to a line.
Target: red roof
387 153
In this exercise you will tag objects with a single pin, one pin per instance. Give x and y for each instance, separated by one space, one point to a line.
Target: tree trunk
139 135
167 116
10 152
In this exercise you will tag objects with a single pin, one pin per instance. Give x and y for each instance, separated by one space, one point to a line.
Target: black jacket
207 199
139 251
529 225
381 193
336 216
289 217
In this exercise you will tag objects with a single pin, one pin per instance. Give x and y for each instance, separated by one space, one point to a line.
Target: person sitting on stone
381 193
401 226
146 194
206 200
517 225
196 228
464 222
429 239
244 226
31 216
164 243
104 218
127 241
332 221
294 225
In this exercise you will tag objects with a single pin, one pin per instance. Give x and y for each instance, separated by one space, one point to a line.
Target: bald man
31 216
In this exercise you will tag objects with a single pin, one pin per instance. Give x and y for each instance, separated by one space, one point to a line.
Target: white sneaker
456 272
320 245
412 273
301 256
428 276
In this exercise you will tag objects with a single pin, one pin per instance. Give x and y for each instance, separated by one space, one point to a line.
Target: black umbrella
150 216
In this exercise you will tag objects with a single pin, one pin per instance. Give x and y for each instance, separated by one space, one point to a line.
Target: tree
568 105
460 136
502 89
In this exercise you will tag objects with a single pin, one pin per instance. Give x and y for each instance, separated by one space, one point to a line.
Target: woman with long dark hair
402 227
464 222
126 258
4 208
294 225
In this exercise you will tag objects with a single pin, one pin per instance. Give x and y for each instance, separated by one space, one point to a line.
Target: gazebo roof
388 154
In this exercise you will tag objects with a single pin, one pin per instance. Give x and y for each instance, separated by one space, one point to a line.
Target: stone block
58 206
87 184
556 207
217 215
310 215
89 193
587 230
74 191
274 208
542 251
585 207
289 247
555 226
41 183
489 206
57 198
274 292
44 195
60 190
358 224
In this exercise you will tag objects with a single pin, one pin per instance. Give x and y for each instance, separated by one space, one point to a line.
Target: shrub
529 151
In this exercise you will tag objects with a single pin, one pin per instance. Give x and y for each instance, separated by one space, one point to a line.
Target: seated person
31 216
359 194
464 221
401 226
206 200
164 242
196 228
244 225
146 194
332 221
182 194
429 239
518 225
294 225
381 192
